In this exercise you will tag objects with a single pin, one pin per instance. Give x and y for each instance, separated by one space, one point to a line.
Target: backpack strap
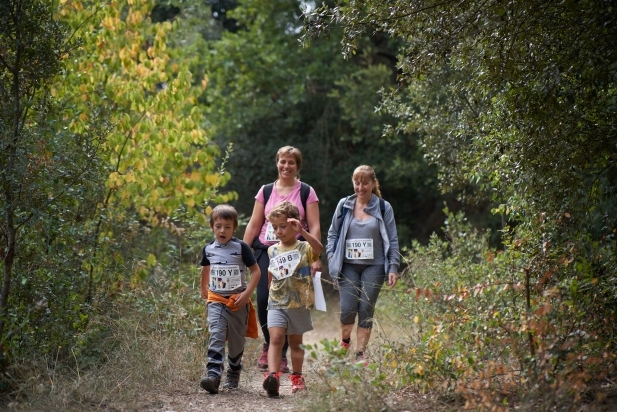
382 207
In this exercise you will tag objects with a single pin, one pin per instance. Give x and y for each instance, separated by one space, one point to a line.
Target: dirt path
251 396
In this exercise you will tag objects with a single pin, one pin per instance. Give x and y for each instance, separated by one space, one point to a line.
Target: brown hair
225 212
367 172
284 208
290 150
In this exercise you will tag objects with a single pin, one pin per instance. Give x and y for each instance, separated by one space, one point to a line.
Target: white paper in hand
320 300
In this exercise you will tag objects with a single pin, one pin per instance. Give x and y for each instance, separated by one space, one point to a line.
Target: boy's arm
312 240
205 281
244 297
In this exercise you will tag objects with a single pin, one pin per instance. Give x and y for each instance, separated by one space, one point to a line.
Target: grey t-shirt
364 229
228 263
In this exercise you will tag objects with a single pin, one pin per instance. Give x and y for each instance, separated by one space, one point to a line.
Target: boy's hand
295 224
242 299
204 295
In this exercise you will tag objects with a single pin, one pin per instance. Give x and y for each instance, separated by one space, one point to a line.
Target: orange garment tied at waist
251 330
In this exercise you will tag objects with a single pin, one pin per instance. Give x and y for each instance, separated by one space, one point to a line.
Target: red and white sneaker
361 358
344 344
262 362
297 383
271 383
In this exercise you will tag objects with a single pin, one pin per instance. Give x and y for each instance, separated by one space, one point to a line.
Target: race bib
359 249
225 277
285 264
270 236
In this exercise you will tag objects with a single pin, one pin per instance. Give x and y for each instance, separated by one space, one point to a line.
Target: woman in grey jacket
362 253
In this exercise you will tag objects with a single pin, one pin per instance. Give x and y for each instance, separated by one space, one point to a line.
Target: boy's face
283 230
223 230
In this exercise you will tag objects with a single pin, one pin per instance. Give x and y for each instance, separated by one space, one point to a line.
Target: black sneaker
232 381
271 384
210 383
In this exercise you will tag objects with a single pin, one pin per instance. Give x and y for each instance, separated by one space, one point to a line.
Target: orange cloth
251 330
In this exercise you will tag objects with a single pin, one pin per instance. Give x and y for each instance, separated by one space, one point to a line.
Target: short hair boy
291 293
231 315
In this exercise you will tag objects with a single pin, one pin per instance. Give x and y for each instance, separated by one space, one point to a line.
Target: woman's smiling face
363 187
287 166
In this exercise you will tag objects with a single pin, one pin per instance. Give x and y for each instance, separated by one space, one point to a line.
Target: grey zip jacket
387 227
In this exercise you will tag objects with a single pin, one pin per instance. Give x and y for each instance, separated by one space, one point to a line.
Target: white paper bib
225 277
359 249
270 236
285 264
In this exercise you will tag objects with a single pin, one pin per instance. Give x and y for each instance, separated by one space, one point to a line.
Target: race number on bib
225 277
359 249
285 264
270 236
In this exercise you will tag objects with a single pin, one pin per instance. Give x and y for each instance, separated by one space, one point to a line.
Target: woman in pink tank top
260 236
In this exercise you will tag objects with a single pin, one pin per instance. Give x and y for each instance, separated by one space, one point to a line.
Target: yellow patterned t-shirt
295 289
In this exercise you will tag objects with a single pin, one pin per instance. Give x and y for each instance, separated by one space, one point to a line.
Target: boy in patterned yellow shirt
291 293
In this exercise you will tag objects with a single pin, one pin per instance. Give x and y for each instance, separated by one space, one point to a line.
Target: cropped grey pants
359 287
225 324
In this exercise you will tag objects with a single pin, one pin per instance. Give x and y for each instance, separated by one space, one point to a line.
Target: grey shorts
297 321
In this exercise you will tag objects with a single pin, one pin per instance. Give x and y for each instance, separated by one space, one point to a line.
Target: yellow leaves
83 117
190 202
151 260
416 319
134 17
204 83
110 23
212 179
141 70
394 364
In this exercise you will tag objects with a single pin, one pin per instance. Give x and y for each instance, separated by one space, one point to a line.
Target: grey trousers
359 287
225 324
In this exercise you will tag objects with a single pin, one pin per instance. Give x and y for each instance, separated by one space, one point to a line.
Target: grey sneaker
232 381
210 383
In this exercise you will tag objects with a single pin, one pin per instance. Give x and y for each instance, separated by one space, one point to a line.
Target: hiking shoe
361 358
232 381
297 383
284 368
262 362
271 384
344 344
210 383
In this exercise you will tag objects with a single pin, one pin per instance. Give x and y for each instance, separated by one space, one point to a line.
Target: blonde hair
225 212
366 172
284 208
290 150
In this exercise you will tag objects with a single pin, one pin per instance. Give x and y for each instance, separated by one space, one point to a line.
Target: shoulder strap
267 192
382 207
305 191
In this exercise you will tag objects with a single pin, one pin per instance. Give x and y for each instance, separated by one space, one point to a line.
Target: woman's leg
263 294
262 301
349 292
371 280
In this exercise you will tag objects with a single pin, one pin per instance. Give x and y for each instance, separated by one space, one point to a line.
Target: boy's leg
297 353
277 341
216 347
237 324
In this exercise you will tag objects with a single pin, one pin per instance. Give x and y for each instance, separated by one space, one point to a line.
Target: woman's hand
392 278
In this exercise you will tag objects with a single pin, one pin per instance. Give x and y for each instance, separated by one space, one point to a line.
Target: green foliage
516 102
265 91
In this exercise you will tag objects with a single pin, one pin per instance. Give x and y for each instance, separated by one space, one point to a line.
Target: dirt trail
251 396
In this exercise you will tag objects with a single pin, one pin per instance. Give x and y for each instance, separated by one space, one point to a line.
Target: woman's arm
255 224
334 228
312 221
394 256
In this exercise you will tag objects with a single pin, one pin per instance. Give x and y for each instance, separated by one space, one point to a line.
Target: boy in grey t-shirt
224 287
